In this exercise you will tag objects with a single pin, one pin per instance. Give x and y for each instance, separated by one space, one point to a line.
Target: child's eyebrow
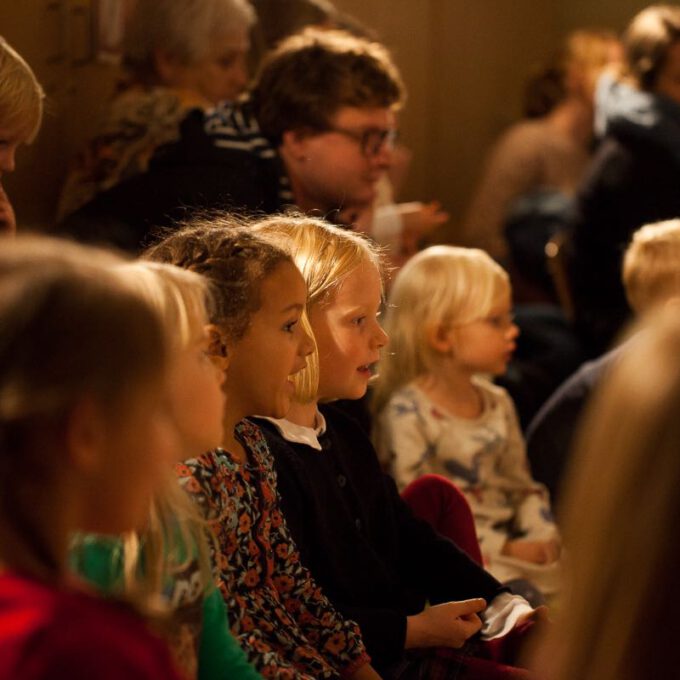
295 306
354 309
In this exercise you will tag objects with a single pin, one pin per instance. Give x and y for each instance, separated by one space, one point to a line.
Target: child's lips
369 368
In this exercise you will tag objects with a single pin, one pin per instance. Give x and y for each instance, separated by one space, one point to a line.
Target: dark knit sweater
373 558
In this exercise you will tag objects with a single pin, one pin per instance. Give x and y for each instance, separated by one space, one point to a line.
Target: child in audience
651 277
450 323
282 620
170 558
621 596
84 444
378 563
21 107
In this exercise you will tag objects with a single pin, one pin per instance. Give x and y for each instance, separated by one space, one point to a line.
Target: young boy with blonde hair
651 265
21 109
651 277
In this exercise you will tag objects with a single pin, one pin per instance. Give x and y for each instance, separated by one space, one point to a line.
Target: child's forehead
360 280
502 303
282 288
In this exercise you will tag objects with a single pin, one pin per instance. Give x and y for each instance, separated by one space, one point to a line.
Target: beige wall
464 62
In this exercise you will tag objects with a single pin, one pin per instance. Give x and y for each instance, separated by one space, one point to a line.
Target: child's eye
501 321
290 326
359 320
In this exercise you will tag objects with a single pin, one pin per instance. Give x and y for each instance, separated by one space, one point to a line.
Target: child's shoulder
408 395
252 437
494 395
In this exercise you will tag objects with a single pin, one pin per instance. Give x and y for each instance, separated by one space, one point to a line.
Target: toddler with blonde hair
451 328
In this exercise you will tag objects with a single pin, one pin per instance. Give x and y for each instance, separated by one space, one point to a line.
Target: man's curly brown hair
233 259
308 77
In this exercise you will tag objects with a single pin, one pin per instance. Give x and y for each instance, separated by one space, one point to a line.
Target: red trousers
439 502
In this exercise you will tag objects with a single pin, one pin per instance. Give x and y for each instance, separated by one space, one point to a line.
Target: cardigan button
342 481
357 524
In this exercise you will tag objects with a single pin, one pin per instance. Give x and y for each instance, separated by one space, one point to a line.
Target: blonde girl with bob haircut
21 110
85 443
167 565
621 505
325 257
451 327
374 558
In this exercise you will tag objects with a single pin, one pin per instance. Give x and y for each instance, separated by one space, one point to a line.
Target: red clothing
65 634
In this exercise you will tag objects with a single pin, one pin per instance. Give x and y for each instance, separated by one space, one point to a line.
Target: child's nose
306 344
381 338
513 331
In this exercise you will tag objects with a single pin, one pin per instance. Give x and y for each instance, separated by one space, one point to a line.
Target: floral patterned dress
287 627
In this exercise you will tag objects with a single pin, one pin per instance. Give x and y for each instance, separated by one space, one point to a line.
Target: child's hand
537 552
445 625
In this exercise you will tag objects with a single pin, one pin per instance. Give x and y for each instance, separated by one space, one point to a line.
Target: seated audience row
180 495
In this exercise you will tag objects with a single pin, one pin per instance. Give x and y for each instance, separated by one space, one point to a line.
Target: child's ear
439 337
217 345
86 435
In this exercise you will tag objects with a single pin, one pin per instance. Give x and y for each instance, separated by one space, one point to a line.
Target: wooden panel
464 64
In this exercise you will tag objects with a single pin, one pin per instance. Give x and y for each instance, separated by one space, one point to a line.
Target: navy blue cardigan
374 559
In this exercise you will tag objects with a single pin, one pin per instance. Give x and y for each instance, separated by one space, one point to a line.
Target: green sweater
203 620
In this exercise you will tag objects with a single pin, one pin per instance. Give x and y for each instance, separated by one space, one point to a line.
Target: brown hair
309 76
646 42
232 258
586 49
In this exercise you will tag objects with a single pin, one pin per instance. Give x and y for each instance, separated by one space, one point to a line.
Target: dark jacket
373 558
550 434
220 161
634 180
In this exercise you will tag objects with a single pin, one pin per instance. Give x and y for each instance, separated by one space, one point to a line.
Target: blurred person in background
21 110
179 55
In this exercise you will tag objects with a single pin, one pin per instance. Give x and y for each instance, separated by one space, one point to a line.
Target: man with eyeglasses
315 132
323 112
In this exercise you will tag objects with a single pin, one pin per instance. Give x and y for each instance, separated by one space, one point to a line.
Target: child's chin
357 393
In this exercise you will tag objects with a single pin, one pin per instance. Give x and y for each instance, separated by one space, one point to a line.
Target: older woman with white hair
179 55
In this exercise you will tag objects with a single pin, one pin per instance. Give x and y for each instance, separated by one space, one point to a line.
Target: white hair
185 29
